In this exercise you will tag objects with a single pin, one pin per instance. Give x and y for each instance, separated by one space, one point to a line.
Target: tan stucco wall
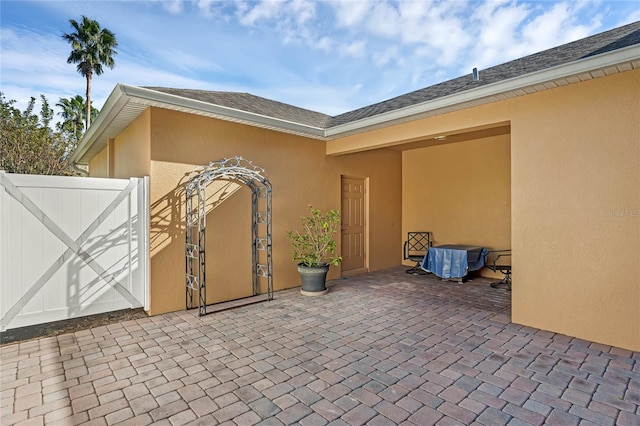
133 159
99 165
300 173
575 202
460 192
128 155
576 210
383 169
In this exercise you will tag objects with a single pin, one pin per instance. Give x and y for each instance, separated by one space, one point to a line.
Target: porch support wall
575 201
575 161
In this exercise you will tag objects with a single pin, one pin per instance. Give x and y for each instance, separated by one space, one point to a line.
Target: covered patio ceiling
458 135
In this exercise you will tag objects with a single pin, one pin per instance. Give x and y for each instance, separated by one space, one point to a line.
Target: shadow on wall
166 222
168 212
227 239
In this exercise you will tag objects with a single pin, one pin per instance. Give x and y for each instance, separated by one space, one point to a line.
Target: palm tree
74 114
92 47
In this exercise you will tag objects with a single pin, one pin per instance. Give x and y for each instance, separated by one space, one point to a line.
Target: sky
327 56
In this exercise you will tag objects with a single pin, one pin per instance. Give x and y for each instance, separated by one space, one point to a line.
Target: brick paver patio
382 348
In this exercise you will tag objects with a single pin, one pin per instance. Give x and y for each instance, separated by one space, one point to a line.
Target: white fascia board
624 55
167 100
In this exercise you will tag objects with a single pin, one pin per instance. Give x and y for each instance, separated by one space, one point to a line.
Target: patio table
454 261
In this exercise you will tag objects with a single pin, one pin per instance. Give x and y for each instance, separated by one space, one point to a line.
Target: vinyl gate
71 246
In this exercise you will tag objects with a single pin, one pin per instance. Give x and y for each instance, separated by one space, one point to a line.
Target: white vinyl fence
71 246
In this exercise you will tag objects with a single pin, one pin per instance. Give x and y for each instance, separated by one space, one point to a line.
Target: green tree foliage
92 47
73 114
27 143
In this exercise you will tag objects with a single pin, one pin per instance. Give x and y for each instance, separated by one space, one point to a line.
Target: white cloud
326 98
387 56
556 26
324 43
632 17
497 22
495 31
354 49
262 10
54 78
293 20
507 29
383 20
206 7
333 56
173 6
303 10
351 13
432 28
20 46
20 74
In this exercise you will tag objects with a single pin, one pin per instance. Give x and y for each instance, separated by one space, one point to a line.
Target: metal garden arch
235 169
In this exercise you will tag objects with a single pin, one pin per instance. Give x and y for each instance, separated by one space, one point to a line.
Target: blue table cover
454 261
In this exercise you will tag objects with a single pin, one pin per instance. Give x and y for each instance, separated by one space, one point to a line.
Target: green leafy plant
315 246
28 145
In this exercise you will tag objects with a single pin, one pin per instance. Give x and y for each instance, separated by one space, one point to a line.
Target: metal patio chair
500 261
415 248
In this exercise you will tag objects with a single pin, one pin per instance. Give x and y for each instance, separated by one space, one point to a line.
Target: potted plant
314 249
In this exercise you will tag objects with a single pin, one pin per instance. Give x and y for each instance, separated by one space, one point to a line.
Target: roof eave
137 99
134 100
159 99
113 105
512 87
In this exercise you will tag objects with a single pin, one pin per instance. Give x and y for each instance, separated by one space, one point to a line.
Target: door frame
366 226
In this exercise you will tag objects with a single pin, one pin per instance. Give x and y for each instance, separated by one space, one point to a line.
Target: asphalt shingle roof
251 103
617 38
